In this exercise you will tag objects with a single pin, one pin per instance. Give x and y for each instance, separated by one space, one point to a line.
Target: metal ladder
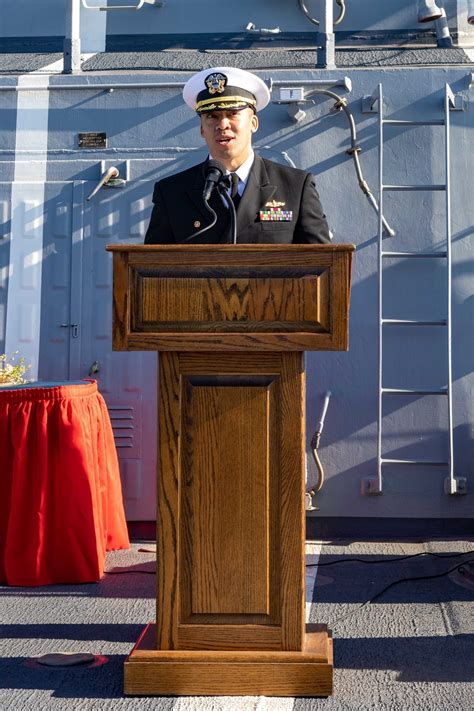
452 485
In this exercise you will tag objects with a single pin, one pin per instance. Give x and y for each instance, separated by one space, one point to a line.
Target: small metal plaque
92 139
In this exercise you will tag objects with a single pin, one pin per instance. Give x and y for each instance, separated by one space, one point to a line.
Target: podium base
154 672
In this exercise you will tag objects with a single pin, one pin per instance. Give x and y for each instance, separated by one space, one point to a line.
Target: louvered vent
123 425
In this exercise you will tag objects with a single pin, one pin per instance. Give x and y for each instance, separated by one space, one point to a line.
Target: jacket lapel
258 191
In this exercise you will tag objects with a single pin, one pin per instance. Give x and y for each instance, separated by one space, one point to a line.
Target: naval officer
275 204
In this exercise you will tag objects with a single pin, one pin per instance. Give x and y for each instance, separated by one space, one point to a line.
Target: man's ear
254 123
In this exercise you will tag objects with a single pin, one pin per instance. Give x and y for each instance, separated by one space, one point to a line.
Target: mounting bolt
370 487
456 486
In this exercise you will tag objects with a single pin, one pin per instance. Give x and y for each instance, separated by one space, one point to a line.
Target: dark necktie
234 191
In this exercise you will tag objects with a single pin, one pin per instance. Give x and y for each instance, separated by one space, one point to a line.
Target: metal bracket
106 8
123 166
370 486
290 95
305 86
456 101
294 97
456 486
308 501
370 104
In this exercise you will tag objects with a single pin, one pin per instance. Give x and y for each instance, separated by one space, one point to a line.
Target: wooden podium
231 323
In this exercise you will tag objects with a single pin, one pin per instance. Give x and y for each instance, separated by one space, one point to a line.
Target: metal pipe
326 55
345 83
428 11
312 19
72 38
448 96
109 88
470 12
112 172
355 149
380 298
315 445
443 36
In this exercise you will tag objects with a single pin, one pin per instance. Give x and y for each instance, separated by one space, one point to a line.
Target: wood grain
306 673
291 497
231 478
226 479
232 322
168 501
315 648
265 297
120 302
196 303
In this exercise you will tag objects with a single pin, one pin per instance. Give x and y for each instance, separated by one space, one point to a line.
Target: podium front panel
230 502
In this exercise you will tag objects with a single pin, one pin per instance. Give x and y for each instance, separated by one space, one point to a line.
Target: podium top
241 248
252 297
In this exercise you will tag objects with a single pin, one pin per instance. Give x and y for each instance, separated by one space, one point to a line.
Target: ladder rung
418 391
433 186
414 461
397 122
412 322
416 255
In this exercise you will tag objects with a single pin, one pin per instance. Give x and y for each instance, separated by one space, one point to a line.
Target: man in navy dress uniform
276 204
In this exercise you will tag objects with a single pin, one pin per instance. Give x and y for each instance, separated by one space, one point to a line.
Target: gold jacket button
197 224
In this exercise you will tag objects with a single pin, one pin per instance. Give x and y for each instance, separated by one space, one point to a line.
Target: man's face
228 135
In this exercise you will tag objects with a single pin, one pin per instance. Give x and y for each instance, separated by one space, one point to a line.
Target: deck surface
412 648
13 63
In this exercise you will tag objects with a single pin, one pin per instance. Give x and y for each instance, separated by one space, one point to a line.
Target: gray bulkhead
55 273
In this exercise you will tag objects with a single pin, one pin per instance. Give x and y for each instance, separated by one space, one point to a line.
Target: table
61 503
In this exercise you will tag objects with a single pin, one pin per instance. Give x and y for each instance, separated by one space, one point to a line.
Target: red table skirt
61 503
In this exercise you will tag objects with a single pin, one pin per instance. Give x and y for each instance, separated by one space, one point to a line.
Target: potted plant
12 373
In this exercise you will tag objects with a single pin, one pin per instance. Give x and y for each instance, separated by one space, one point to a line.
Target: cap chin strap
227 102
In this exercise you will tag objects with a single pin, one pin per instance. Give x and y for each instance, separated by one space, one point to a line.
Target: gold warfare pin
275 203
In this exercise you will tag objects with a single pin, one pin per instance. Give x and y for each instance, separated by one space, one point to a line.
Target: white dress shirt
242 171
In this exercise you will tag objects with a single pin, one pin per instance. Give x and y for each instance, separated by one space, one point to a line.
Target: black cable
397 582
222 190
204 229
421 577
391 560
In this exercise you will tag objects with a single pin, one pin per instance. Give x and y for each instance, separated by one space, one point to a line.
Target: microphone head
215 165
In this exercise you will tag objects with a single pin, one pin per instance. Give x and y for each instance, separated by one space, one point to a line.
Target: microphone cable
204 229
222 188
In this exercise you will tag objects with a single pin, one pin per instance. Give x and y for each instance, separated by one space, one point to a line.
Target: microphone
214 172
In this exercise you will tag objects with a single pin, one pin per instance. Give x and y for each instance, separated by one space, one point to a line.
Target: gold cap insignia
275 203
216 83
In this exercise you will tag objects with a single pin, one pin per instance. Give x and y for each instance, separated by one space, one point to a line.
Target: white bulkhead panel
56 287
128 381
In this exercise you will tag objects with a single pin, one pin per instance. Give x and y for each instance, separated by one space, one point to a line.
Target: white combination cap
220 88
